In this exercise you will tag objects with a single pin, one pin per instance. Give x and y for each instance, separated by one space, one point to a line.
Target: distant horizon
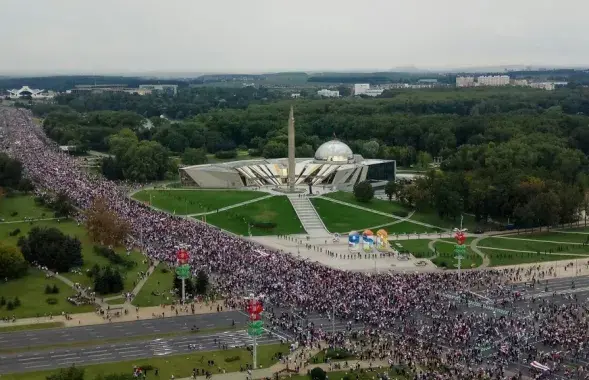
197 73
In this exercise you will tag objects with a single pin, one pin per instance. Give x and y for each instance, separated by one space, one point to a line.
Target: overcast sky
133 36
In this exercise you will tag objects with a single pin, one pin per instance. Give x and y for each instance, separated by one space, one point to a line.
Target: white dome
334 150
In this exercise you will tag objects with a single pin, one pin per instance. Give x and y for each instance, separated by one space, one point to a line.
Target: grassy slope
184 202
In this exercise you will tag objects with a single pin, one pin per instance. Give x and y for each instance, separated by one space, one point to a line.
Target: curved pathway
474 247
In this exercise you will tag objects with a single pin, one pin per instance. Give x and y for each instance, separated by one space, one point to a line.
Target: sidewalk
84 319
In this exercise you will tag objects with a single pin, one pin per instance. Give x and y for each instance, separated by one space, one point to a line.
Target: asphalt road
59 358
117 330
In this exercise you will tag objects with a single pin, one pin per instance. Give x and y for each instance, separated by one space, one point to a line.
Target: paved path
540 241
392 216
474 247
543 253
233 206
31 220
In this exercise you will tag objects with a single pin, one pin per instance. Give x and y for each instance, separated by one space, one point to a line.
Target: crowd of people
406 316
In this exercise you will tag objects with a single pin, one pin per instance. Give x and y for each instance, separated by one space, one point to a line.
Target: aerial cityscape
220 190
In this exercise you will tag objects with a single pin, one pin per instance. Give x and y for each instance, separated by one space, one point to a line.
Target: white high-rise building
364 89
493 80
328 93
465 81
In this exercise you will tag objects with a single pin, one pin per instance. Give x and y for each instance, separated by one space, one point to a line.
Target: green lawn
432 217
374 204
446 255
417 247
343 219
535 246
407 227
160 282
178 365
184 202
274 210
71 228
556 237
31 292
35 326
24 206
499 258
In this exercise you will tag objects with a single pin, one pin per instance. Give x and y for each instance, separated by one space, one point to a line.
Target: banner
353 241
367 241
382 240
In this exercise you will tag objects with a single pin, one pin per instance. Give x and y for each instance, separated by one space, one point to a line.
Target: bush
9 305
232 359
51 301
164 270
16 302
14 213
402 214
318 373
48 289
263 225
14 232
113 257
338 353
225 154
363 191
254 152
2 301
147 367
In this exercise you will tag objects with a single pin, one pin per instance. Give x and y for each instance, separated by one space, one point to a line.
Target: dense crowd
434 331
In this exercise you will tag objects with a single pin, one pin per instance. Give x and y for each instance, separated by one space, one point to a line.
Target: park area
270 216
186 202
30 290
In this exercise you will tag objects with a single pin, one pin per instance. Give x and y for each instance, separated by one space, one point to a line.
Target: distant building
427 81
521 82
26 91
364 89
493 80
171 89
465 82
328 93
549 86
295 95
102 88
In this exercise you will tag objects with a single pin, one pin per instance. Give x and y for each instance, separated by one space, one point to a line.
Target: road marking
107 354
28 359
37 366
64 355
98 351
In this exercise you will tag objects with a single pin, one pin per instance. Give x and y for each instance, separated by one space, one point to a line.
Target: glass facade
385 171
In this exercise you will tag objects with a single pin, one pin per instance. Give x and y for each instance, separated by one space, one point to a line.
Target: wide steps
307 215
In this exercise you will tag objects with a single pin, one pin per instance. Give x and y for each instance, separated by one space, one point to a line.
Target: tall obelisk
291 152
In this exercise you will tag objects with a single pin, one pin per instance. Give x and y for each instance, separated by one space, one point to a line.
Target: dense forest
507 152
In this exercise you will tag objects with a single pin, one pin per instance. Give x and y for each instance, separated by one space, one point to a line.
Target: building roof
334 150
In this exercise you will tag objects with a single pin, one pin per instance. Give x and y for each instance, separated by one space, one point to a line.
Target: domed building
334 167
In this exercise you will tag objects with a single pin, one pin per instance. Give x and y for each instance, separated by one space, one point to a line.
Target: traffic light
256 326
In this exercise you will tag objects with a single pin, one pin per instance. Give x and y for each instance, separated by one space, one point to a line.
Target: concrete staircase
308 216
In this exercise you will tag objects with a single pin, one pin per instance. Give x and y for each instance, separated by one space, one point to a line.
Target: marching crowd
409 322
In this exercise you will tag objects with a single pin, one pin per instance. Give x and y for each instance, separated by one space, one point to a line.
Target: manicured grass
34 326
71 228
499 258
184 202
275 210
178 365
417 247
116 301
407 227
31 292
432 217
534 246
374 204
159 282
24 206
446 255
343 219
556 237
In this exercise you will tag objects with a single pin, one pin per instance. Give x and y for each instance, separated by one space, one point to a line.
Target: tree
12 262
71 373
62 206
111 169
108 280
51 248
363 191
304 150
188 285
370 149
391 189
193 156
104 225
202 282
318 373
275 149
10 172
